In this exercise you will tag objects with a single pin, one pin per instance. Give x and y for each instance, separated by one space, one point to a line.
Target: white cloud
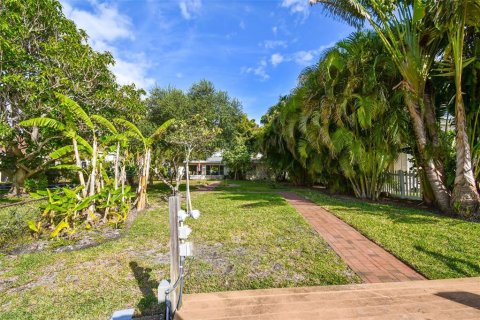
259 71
297 6
179 75
272 44
304 57
189 7
105 25
275 30
276 59
242 25
133 70
307 57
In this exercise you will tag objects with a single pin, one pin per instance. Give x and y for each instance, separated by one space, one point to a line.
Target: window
214 170
208 170
192 170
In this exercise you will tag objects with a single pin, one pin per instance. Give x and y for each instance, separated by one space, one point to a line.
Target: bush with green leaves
65 212
37 182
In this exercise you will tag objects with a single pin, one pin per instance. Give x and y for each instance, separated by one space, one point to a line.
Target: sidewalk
368 260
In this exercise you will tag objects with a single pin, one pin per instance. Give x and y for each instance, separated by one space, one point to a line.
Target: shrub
65 211
37 182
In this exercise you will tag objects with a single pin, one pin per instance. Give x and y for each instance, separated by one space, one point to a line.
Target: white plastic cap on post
195 214
183 232
162 287
182 215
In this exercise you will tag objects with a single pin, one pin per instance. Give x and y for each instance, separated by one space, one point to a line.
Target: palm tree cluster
383 90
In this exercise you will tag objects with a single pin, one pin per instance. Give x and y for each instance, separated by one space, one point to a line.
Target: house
210 168
214 168
404 162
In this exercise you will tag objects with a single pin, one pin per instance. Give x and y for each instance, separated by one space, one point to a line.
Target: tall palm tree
412 42
453 17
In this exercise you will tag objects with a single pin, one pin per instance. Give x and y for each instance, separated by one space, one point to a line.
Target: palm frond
43 122
61 152
105 123
75 109
130 127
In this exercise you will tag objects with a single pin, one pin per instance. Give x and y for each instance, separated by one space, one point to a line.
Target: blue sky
252 49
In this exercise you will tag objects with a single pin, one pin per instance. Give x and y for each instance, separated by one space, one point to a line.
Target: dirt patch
46 280
81 240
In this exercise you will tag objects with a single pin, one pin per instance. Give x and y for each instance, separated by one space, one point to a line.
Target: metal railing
403 185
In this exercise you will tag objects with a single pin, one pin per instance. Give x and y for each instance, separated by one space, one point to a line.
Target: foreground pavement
431 299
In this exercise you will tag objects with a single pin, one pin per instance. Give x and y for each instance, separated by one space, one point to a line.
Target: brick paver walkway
371 262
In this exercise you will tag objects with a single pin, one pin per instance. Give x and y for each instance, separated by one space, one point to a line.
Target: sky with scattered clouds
254 49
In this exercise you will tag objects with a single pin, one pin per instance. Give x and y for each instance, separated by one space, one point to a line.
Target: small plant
115 205
63 213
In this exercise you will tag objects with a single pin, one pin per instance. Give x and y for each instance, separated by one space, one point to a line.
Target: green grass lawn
242 241
437 246
252 186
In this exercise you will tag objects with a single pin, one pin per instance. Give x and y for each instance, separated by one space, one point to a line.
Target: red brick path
365 258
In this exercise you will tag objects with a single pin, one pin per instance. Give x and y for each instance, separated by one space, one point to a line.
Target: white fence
403 185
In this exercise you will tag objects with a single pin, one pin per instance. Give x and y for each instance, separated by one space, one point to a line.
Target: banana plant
73 114
132 130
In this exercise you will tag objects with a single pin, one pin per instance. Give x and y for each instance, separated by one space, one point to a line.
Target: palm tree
412 42
350 114
453 16
133 131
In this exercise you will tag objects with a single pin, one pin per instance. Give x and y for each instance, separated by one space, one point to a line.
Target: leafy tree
194 136
237 159
42 52
216 107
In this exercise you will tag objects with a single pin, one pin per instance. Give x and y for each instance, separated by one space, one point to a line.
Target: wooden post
174 207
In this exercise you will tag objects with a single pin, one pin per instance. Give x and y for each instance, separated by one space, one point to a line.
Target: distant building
210 168
404 162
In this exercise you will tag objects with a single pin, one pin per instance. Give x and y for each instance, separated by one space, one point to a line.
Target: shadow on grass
255 200
148 305
451 262
391 212
466 298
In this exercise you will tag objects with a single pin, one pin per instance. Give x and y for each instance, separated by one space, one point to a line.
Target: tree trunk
117 162
18 182
123 177
465 198
189 199
432 173
78 162
92 179
143 181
